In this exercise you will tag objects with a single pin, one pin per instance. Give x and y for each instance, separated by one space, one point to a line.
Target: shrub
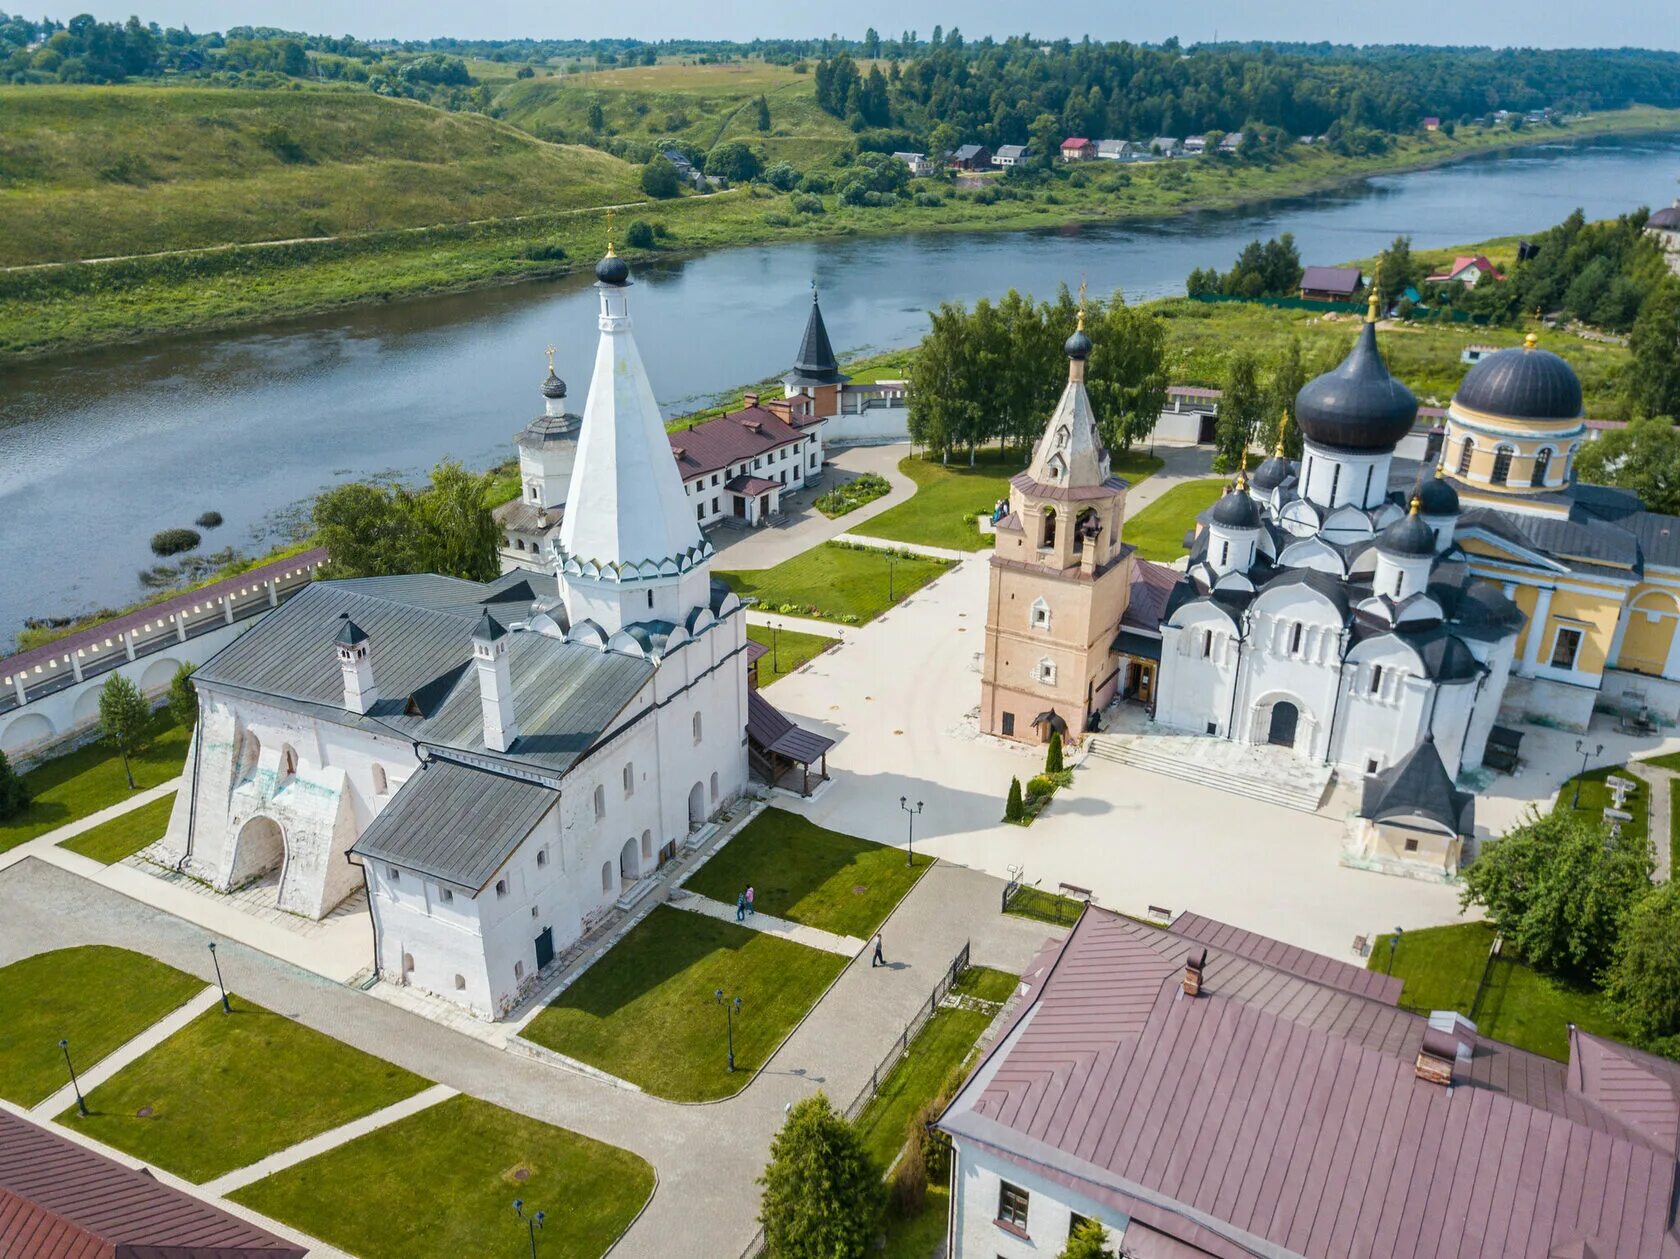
986 196
639 235
782 177
808 204
659 178
183 696
1053 756
1039 786
1013 809
775 218
546 251
929 200
174 541
14 794
816 182
209 520
907 1192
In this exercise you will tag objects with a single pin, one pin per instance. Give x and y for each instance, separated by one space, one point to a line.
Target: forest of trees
1269 270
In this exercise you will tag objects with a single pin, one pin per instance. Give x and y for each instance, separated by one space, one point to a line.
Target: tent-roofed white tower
630 549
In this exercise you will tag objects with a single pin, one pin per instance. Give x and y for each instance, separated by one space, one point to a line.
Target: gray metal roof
455 823
1418 785
565 694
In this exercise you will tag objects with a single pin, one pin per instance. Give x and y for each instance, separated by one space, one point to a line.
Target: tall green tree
1288 374
125 719
597 117
14 792
1398 270
946 392
445 527
1242 407
1559 887
733 160
762 108
823 1195
660 179
1654 377
1088 1241
183 696
1643 457
1644 979
1127 373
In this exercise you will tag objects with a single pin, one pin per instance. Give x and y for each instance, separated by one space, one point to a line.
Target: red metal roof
1282 1111
729 439
59 1200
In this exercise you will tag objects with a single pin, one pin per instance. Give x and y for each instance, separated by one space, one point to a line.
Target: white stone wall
1361 481
1050 1210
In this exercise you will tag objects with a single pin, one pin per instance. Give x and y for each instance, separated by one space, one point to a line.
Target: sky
1530 23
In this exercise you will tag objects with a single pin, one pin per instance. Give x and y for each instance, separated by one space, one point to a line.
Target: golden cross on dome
551 360
1417 503
1080 323
1375 298
1282 425
609 232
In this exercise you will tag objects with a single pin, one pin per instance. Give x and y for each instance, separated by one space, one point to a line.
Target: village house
1113 150
1009 155
1664 227
1231 142
971 157
1194 145
1200 1090
1431 123
1331 284
1466 269
916 162
1164 146
1078 149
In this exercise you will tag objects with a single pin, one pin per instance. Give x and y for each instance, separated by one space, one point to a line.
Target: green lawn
987 984
110 842
1158 530
1520 1006
793 649
645 1012
1670 761
229 1089
90 779
1036 903
1595 798
441 1183
921 1235
95 996
944 1045
949 496
836 583
803 873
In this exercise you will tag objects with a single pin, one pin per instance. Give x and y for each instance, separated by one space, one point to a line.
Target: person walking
750 909
740 906
877 960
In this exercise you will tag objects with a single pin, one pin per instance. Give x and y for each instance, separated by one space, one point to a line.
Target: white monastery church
496 763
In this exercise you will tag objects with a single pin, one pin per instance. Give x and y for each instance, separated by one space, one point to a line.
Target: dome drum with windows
1515 424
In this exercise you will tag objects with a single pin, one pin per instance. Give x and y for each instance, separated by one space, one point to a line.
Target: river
98 451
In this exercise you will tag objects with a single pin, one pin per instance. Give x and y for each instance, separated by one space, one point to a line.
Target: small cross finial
551 360
609 232
1375 297
1417 504
1081 321
1282 424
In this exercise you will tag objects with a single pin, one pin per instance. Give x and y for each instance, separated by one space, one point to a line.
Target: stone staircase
1273 775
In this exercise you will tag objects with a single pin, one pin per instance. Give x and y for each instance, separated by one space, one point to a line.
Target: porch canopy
779 745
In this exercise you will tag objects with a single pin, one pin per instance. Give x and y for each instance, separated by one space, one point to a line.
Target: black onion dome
613 270
553 387
1522 384
1078 346
1358 405
1407 537
1236 510
1436 497
1271 474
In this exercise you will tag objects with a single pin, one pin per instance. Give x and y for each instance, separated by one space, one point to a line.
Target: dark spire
488 629
349 633
815 363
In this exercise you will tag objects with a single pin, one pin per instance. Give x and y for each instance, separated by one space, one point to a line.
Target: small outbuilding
1331 284
1413 820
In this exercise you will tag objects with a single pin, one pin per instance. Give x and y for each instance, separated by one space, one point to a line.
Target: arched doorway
1285 718
261 847
696 807
628 865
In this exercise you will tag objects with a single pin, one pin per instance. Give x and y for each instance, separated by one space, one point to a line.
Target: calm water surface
99 451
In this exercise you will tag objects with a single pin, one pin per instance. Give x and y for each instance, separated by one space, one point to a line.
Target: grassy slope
804 873
832 582
125 835
93 172
438 1184
96 997
229 1089
645 1012
1158 530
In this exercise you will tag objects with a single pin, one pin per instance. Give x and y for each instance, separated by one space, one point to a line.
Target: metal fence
758 1247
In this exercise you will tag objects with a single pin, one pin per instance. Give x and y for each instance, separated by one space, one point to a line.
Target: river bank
45 311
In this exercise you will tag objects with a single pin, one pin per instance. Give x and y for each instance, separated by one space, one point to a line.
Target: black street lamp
81 1106
1394 943
910 846
214 961
730 1006
775 660
1575 801
889 576
532 1223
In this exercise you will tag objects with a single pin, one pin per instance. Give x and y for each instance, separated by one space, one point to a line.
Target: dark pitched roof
815 363
1281 1114
566 695
1345 280
59 1200
729 439
1147 598
455 822
1417 785
771 731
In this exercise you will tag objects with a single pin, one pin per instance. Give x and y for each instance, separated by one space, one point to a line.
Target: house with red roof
1468 270
1199 1090
1078 149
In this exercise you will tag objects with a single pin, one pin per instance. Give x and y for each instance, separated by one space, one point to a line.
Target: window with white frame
600 802
1012 1204
630 778
501 888
1565 648
697 726
1047 671
1376 679
1039 614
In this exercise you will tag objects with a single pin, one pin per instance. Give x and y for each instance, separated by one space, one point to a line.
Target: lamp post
1394 943
775 660
532 1223
889 576
216 962
910 845
730 1006
81 1106
1575 801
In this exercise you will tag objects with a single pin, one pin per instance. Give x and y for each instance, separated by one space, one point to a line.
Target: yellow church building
1597 575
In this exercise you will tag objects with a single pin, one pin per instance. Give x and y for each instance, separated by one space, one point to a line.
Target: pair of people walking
744 905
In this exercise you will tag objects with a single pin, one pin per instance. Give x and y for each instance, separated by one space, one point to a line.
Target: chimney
1449 1039
355 661
495 683
750 398
1193 967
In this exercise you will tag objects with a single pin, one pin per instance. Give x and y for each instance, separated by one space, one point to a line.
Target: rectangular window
630 779
700 512
1009 723
446 896
1411 845
1295 638
1335 481
1370 765
1207 644
1012 1204
1565 649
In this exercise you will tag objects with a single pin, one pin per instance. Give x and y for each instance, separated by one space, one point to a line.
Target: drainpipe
192 802
1236 678
1464 742
1336 704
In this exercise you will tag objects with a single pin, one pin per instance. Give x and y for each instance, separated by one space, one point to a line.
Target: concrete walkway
812 937
333 1137
803 624
915 548
93 1075
35 847
1660 823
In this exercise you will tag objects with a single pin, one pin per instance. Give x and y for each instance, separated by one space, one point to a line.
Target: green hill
103 171
698 105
